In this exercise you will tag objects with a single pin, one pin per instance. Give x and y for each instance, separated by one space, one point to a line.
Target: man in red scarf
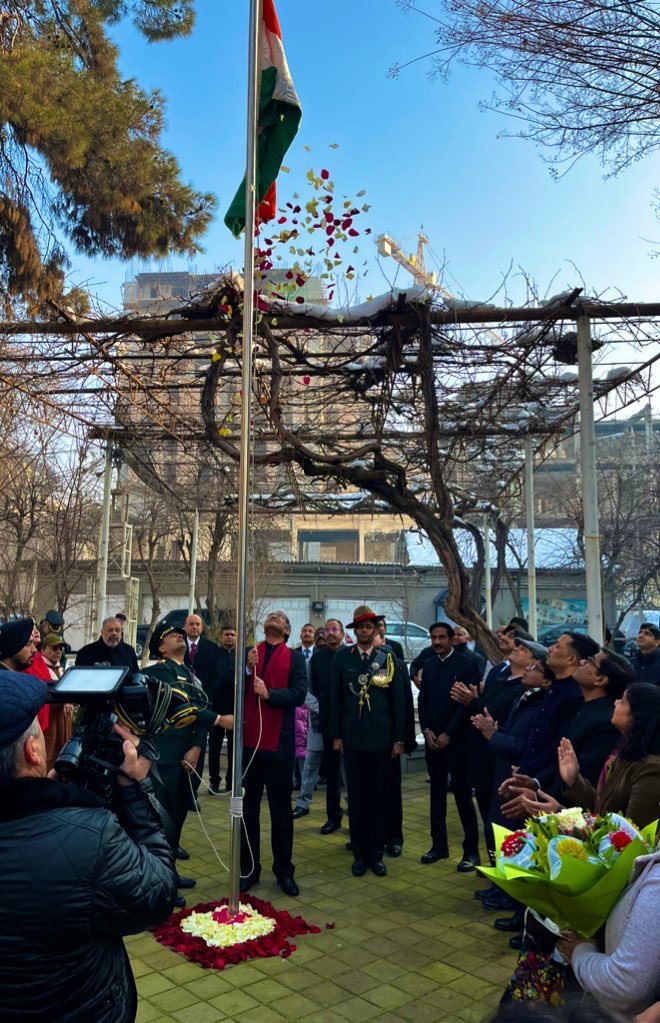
276 684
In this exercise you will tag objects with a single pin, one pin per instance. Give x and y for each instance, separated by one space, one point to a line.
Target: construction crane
414 264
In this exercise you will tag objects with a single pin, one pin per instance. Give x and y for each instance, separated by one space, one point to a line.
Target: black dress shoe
179 901
181 853
486 893
394 849
499 901
185 882
227 786
300 811
289 886
214 787
330 826
516 942
379 868
509 923
358 868
349 847
247 882
467 864
433 855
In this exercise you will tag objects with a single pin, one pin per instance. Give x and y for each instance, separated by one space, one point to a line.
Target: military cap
161 629
54 618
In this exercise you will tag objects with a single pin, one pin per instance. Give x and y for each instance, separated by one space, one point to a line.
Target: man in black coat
109 649
76 876
445 727
320 685
201 657
646 659
222 701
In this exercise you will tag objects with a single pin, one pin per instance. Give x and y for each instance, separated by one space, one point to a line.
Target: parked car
551 635
412 637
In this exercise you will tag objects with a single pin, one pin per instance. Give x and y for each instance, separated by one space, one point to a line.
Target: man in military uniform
179 748
367 720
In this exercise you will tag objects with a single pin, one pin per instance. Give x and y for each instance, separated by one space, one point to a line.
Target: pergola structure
423 410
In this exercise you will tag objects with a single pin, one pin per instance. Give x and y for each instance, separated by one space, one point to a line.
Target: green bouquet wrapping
569 866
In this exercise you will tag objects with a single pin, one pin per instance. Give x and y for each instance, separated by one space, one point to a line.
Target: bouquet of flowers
570 866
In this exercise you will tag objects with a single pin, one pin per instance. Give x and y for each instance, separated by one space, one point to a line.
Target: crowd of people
523 734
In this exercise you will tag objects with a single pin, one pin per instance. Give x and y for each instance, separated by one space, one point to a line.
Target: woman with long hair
630 780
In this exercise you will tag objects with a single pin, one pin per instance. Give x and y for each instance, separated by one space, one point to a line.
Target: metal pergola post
531 551
104 543
589 481
487 576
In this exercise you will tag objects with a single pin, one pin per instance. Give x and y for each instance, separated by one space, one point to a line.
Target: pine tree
80 151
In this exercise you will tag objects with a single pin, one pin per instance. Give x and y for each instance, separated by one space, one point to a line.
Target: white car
412 637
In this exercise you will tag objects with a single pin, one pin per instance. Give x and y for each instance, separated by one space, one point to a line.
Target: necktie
193 651
365 657
307 654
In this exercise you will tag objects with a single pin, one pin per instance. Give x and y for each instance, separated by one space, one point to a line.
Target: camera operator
74 876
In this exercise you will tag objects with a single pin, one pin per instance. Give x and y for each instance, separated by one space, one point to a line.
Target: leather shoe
247 882
358 868
181 853
393 849
508 923
486 893
379 868
500 900
516 942
433 855
349 847
185 882
179 901
289 886
467 864
214 787
330 826
300 811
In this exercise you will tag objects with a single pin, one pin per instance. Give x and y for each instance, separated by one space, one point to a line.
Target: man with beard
275 685
319 743
109 649
368 722
17 653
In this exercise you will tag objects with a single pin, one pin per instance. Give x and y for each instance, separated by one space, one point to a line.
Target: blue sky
422 150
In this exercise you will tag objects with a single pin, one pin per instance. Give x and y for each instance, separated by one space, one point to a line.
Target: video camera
108 696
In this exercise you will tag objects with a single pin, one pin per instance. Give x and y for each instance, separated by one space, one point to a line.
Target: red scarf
39 669
276 676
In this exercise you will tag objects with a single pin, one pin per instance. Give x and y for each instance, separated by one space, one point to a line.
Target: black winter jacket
74 878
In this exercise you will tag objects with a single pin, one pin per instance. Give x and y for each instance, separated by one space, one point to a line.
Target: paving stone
414 947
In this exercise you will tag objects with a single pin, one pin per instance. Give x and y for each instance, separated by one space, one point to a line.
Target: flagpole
236 821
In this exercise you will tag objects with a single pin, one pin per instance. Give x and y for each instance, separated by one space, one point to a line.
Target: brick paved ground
413 946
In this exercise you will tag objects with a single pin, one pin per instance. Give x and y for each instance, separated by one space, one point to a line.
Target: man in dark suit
320 685
445 727
393 644
109 649
367 720
275 686
202 658
223 703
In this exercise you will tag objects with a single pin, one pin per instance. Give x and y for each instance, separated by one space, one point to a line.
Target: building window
381 548
328 545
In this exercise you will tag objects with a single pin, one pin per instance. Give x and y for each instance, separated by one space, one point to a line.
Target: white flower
202 925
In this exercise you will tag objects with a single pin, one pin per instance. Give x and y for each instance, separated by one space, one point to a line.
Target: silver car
412 637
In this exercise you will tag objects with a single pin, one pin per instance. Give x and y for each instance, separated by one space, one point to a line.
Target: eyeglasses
589 660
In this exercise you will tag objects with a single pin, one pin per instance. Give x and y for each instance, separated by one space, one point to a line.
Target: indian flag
279 117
